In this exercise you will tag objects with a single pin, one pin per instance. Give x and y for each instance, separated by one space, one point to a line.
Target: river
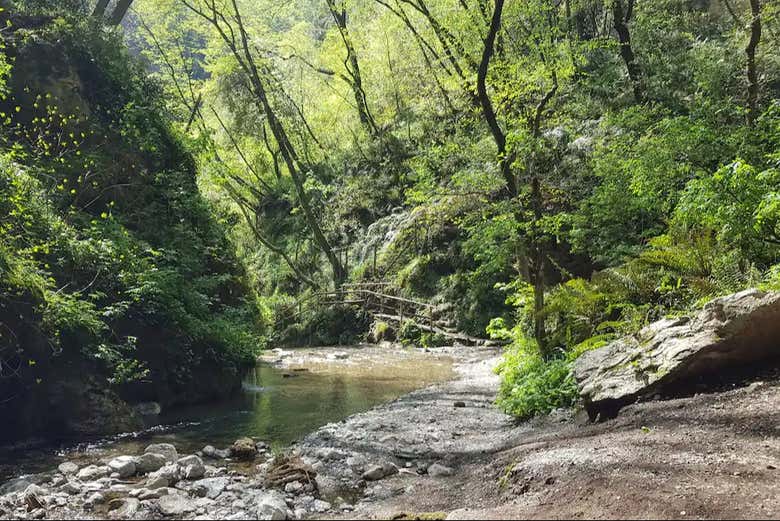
277 405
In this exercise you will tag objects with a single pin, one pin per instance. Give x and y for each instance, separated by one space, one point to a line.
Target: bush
433 340
531 385
410 334
337 325
381 331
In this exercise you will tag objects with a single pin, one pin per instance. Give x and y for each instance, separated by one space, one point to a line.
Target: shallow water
278 406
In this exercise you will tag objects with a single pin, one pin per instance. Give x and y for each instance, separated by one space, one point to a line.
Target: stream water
277 405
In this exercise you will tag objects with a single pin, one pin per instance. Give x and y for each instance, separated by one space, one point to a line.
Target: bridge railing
373 297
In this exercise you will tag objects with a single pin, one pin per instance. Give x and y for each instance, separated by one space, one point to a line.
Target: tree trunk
352 65
488 112
750 50
120 11
100 8
538 265
620 20
288 154
245 59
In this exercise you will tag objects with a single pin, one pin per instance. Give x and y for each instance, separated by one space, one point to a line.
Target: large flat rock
730 332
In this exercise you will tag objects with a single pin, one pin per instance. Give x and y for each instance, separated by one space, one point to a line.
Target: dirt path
707 456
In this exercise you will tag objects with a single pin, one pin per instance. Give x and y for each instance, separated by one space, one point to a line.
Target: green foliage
530 384
109 256
410 334
645 207
327 326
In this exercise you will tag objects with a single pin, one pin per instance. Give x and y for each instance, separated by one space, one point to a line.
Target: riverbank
446 452
705 456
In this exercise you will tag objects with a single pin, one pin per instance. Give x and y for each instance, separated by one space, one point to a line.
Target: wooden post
373 272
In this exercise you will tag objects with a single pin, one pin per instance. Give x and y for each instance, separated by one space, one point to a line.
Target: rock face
733 331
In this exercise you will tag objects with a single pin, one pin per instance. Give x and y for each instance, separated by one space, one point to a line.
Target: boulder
165 477
93 499
191 468
321 506
210 488
439 471
377 472
71 488
175 505
209 451
272 505
92 473
149 462
669 356
123 465
123 508
68 468
244 449
166 450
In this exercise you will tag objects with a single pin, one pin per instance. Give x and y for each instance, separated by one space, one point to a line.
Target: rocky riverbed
331 472
446 452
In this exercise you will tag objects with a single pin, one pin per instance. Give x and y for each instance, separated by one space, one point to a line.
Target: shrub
531 385
410 334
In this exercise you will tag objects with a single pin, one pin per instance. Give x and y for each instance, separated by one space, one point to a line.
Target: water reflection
278 406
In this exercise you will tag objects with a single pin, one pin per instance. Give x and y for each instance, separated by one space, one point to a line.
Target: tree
621 16
122 6
351 64
231 29
750 51
100 8
538 255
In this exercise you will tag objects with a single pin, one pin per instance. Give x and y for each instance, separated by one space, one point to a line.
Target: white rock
92 473
124 466
175 505
94 499
150 462
166 450
294 487
161 479
211 488
439 471
123 508
71 487
377 472
272 506
68 468
191 467
321 506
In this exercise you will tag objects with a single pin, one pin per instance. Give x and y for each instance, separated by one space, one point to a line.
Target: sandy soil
706 456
